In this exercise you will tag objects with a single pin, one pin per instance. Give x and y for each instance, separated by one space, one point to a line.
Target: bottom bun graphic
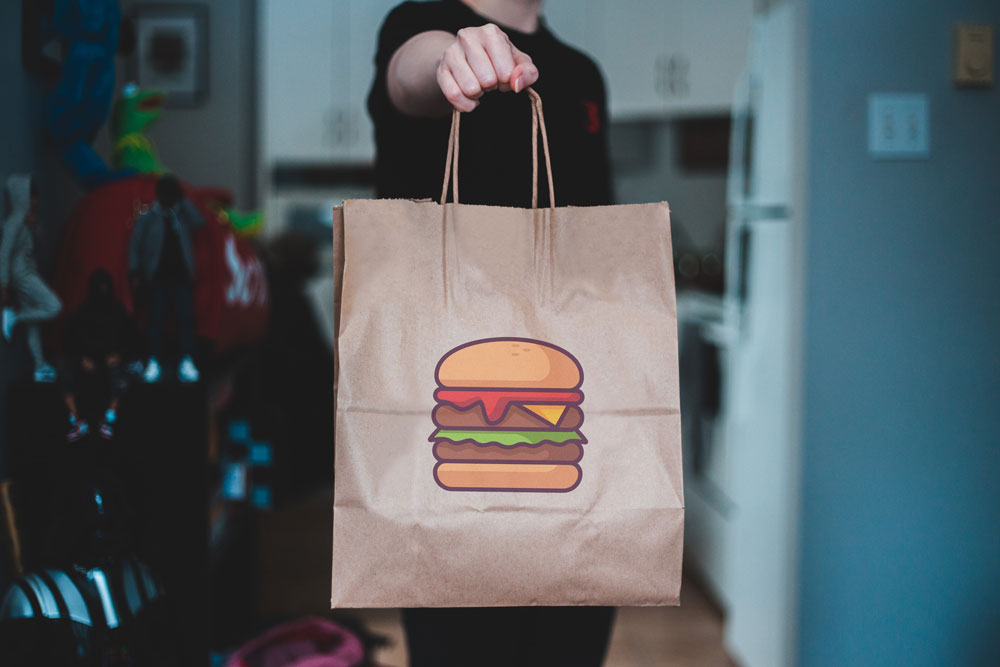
507 476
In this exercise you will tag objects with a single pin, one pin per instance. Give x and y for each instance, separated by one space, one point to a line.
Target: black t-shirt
495 163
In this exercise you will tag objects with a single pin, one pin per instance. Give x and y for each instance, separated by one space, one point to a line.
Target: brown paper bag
482 350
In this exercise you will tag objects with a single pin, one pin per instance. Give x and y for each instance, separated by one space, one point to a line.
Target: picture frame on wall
171 54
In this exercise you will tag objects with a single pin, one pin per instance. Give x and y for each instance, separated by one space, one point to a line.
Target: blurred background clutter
166 466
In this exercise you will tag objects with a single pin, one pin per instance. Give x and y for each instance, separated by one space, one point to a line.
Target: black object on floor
152 480
163 436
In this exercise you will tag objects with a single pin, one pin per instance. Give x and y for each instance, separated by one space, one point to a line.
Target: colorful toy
134 112
20 283
230 288
78 105
161 258
98 340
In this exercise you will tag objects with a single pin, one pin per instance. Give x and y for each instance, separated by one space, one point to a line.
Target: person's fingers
525 73
454 59
452 91
482 59
477 58
500 51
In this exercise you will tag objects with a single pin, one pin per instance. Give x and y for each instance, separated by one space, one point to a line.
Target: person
161 256
98 337
19 278
435 56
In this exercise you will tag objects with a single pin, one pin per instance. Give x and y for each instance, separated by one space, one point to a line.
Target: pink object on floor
307 642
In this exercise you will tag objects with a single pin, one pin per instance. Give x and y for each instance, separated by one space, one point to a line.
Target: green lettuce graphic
509 438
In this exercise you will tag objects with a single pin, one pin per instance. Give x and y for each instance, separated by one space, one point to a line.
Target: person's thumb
524 73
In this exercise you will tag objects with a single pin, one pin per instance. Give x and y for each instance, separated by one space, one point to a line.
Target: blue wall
19 144
22 149
901 461
18 140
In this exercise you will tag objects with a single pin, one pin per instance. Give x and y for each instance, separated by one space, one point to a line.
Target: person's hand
88 364
479 60
112 360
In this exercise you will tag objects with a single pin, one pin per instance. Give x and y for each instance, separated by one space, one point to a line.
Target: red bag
230 291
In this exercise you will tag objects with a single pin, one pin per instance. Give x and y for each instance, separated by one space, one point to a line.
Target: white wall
215 143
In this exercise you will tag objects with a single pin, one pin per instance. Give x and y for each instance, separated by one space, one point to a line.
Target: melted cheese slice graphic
550 413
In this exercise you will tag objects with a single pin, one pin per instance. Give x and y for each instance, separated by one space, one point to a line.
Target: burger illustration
507 417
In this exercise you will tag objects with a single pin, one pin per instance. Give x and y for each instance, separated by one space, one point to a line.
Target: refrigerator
738 363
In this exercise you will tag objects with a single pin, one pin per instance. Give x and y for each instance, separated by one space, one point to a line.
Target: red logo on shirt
592 121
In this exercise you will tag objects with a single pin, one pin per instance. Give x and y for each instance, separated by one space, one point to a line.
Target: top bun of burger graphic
507 417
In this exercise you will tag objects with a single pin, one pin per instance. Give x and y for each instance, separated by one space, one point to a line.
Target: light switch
899 126
974 55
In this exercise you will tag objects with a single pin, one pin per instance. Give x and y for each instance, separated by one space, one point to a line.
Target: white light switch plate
899 126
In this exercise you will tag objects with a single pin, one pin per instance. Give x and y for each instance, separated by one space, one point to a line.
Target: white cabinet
660 57
317 64
300 117
716 42
574 22
640 56
365 22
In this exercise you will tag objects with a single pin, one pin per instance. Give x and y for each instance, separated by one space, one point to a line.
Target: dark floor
295 575
686 636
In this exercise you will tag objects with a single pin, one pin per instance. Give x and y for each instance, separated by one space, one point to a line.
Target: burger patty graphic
507 417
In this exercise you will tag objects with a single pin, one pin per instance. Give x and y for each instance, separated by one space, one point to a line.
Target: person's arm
434 71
